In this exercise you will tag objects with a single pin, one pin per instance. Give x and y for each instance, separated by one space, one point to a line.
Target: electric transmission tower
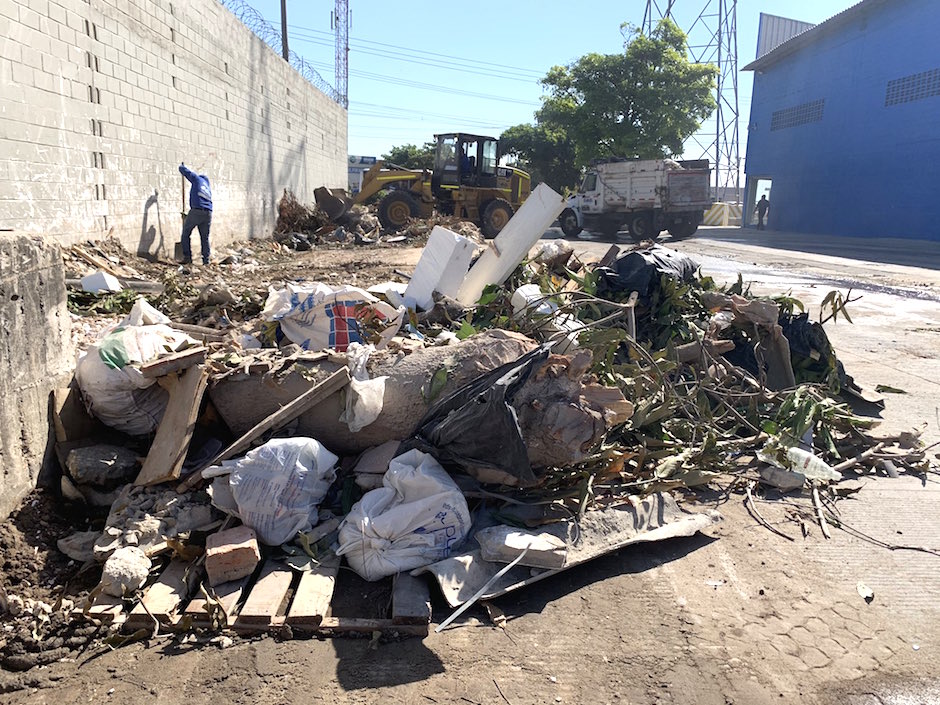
713 39
341 28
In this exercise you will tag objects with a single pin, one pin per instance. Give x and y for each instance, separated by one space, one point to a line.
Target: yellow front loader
466 182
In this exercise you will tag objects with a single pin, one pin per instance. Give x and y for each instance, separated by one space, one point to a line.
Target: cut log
166 456
174 362
285 414
412 386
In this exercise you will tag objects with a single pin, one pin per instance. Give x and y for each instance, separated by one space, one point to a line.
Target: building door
757 186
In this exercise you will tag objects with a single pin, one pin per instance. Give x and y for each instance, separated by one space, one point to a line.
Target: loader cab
464 160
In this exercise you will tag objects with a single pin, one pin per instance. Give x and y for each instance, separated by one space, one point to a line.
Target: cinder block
231 554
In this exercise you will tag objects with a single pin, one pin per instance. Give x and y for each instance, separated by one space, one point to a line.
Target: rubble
125 570
491 418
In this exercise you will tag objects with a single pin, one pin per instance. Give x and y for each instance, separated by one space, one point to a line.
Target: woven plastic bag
417 518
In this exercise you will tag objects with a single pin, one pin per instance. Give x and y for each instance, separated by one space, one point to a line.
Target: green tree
411 156
644 102
545 152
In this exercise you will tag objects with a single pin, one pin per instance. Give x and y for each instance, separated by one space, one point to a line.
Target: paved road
911 253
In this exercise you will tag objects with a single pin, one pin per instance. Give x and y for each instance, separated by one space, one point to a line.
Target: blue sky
416 69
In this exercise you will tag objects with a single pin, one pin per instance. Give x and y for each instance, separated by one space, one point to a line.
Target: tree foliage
546 153
411 156
644 102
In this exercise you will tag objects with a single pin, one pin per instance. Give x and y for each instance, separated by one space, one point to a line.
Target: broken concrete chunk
231 554
80 546
101 464
125 571
504 543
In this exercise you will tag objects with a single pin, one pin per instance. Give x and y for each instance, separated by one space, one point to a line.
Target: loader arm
378 177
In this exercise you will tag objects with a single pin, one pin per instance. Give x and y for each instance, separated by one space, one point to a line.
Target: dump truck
466 181
645 195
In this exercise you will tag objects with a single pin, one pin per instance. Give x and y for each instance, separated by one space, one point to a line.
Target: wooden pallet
273 598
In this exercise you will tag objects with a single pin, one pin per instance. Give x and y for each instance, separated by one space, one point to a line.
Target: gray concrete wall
36 356
102 99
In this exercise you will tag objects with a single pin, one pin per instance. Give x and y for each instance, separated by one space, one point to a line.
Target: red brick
231 554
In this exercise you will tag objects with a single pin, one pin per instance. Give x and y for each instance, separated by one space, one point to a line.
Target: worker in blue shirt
199 216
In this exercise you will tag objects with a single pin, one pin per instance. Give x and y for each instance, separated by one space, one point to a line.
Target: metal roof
774 30
833 24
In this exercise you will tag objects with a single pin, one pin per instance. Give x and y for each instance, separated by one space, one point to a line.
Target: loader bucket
334 203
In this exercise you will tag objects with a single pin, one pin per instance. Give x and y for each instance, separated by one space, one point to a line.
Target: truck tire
682 230
569 223
396 209
496 214
640 226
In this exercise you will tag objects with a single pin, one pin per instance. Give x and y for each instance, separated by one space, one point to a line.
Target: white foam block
513 243
442 267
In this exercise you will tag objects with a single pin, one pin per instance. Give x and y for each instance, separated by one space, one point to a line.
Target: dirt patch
39 584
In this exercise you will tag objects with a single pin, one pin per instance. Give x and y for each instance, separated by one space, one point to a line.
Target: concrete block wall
36 356
102 99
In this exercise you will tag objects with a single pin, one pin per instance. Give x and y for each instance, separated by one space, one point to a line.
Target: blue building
845 124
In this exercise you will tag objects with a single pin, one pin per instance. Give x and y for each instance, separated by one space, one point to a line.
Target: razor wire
266 32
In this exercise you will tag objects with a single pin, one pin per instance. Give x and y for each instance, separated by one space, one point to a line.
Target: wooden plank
174 362
228 595
266 597
165 597
339 625
208 334
168 451
285 414
71 420
105 608
314 593
411 600
94 261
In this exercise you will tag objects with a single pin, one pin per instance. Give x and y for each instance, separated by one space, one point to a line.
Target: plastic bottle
813 468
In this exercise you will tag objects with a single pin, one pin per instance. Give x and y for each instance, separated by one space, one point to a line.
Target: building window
798 115
917 86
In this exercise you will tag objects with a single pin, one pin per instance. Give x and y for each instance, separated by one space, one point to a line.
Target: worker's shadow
151 236
364 665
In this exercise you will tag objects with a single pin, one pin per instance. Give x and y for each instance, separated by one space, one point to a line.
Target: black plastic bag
641 271
476 428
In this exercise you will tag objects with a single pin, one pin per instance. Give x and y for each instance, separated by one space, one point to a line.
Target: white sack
109 376
417 518
278 486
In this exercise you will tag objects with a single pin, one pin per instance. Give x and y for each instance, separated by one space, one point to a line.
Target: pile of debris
505 414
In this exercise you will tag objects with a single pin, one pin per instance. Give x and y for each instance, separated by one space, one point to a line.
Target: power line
385 78
426 62
535 73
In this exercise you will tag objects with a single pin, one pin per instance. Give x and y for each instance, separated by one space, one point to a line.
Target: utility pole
284 50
